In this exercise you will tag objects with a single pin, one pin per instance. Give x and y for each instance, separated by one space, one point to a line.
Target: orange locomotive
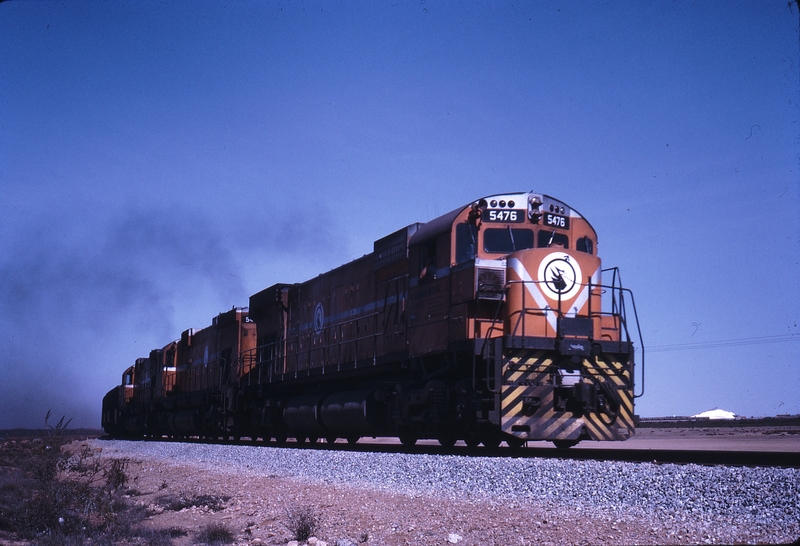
488 324
186 388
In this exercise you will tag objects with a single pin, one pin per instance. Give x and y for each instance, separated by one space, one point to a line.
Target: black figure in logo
560 277
557 279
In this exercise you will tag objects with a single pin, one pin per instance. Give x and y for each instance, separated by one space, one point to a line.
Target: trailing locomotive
490 323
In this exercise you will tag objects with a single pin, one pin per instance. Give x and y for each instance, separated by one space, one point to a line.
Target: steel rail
769 459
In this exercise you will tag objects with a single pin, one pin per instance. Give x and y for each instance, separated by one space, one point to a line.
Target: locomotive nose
551 292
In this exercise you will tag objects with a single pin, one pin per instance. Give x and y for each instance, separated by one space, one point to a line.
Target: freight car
490 323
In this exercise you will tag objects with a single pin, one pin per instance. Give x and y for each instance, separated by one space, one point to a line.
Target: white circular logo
319 318
560 276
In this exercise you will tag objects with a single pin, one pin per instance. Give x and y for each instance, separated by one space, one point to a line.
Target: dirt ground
186 499
745 438
256 510
256 507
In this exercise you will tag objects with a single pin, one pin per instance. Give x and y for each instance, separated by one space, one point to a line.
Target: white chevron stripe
584 295
537 295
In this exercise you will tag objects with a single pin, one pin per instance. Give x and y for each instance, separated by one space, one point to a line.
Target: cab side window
427 260
466 242
584 244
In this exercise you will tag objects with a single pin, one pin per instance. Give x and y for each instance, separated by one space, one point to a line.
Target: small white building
715 414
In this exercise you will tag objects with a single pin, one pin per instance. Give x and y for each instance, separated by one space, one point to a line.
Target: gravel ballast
672 503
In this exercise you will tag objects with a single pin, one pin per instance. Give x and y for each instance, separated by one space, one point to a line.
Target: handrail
486 340
618 310
617 277
274 348
559 312
641 342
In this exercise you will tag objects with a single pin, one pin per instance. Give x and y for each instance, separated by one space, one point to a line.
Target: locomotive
490 323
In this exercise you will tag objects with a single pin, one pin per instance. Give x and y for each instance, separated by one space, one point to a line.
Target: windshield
507 240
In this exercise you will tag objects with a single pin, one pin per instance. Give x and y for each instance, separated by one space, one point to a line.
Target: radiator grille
490 283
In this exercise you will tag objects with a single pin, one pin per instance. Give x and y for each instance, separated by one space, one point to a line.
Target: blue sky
161 161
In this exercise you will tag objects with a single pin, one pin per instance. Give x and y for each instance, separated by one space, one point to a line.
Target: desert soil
256 511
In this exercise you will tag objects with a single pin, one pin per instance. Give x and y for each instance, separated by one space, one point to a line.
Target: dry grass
302 521
49 496
216 534
180 501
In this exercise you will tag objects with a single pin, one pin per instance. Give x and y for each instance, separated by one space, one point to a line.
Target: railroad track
659 456
774 459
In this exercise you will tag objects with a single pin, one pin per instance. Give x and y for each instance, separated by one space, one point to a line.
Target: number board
508 216
556 221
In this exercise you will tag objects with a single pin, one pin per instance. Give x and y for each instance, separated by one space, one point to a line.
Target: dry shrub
49 496
116 475
159 537
215 534
302 521
176 503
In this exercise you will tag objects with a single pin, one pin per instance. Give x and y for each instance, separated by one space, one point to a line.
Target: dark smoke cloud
81 299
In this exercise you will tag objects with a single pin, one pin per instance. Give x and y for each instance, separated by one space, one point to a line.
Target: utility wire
723 343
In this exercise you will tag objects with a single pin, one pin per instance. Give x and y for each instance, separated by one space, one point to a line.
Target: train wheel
447 440
312 439
353 440
565 444
408 439
472 441
491 442
331 439
515 443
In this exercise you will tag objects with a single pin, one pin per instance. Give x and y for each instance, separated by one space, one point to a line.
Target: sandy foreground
256 508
